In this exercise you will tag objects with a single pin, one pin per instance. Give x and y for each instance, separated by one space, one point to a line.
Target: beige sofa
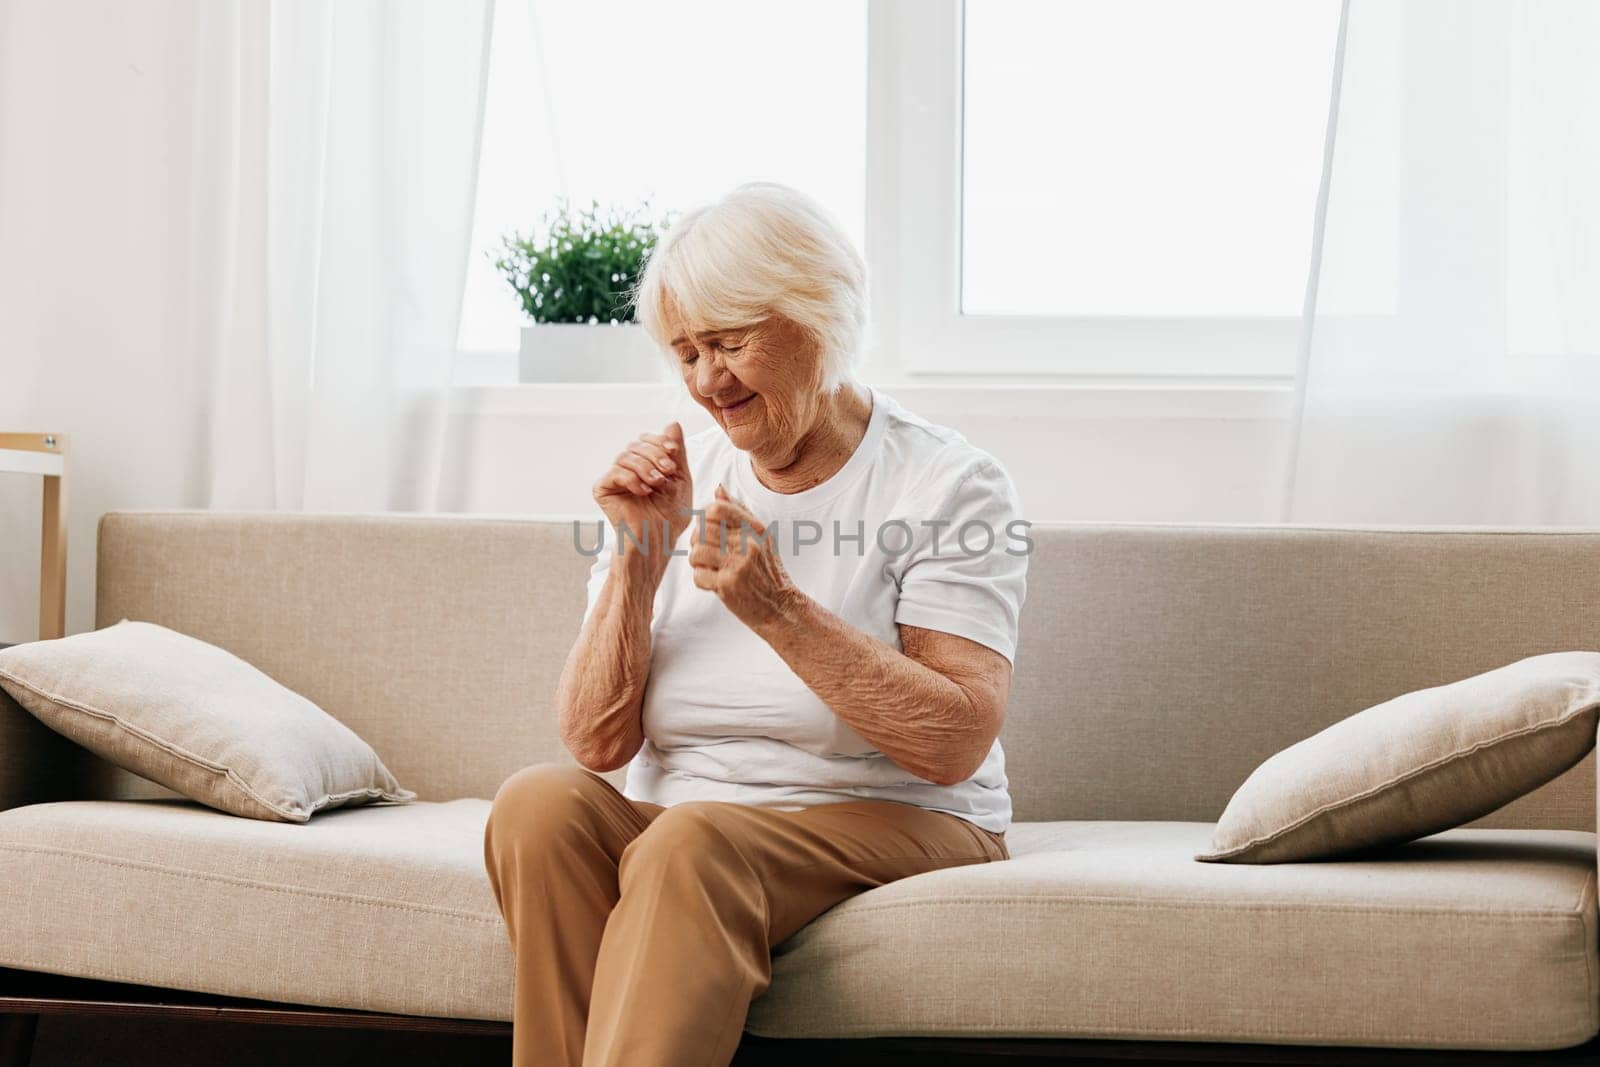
1158 664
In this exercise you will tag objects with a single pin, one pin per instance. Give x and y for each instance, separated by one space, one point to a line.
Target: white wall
1139 455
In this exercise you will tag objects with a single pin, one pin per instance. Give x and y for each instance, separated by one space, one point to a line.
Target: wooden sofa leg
16 1039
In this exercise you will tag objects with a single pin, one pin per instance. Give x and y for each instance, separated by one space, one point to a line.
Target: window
1141 158
1101 187
624 100
1041 187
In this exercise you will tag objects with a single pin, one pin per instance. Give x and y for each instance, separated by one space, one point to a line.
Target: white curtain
341 137
1450 361
232 243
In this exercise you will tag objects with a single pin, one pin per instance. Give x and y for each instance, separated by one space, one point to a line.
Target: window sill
1265 400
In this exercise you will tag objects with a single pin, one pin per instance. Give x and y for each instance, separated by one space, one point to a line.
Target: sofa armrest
36 763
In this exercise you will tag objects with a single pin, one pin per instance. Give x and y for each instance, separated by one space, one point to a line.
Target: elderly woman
800 644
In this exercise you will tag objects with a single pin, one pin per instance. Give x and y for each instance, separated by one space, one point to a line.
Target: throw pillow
1420 763
198 720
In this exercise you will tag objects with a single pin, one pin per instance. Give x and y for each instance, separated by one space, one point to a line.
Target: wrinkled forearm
602 685
921 719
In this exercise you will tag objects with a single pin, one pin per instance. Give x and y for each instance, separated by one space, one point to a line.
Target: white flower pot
580 352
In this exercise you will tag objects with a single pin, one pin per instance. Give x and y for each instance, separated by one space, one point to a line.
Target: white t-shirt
725 718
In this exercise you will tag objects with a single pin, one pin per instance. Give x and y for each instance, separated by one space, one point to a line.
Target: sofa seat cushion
380 908
1467 939
1471 938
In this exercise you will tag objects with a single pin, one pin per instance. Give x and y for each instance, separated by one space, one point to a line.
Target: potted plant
574 285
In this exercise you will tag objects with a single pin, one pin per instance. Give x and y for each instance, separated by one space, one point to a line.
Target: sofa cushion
381 908
1417 764
1469 939
1473 938
197 719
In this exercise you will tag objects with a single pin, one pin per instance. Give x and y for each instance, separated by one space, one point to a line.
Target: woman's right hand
647 486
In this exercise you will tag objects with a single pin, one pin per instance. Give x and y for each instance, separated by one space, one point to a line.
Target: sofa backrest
1157 665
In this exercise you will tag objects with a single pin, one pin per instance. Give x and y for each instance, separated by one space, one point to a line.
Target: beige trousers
642 933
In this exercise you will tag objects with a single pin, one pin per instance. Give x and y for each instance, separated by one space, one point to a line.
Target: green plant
585 266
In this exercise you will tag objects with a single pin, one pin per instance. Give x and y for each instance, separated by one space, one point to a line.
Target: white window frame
913 199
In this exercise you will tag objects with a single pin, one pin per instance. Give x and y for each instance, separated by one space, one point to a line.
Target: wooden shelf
44 454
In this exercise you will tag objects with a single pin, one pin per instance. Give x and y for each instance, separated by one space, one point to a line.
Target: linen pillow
198 720
1420 763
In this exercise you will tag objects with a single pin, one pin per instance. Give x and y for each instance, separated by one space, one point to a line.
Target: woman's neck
826 447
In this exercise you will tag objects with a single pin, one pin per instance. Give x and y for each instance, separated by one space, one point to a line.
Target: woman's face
761 383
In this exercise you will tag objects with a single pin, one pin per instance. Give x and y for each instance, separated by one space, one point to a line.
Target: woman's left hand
732 558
